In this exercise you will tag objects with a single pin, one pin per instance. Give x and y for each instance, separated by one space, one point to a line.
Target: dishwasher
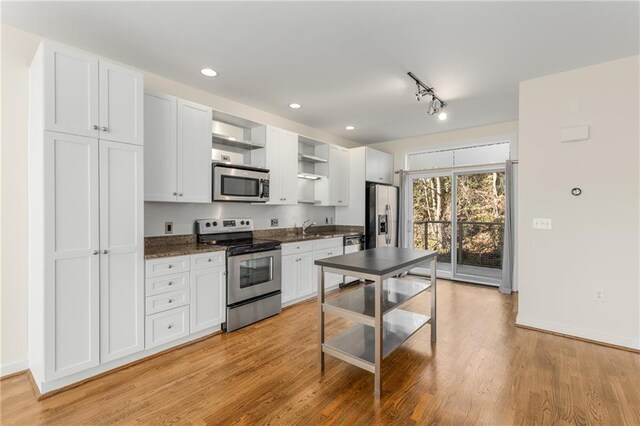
352 244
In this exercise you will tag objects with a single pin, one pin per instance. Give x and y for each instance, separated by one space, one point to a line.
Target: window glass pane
432 216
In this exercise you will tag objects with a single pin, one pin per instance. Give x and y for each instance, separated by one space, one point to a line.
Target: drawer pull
170 326
169 266
329 254
170 301
170 283
209 260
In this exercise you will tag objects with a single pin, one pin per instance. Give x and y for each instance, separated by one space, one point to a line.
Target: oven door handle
253 253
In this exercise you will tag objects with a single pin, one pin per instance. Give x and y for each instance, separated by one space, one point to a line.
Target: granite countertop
178 245
181 245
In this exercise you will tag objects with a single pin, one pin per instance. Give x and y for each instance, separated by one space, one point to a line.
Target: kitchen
233 261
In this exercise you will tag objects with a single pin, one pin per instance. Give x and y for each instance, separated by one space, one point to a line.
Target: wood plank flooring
482 370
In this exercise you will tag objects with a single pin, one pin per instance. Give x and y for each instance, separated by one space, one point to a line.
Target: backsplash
184 215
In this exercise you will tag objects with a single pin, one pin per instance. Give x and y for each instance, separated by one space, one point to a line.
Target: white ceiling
346 63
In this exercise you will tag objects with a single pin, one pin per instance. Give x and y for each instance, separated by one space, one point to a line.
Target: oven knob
242 222
208 224
215 223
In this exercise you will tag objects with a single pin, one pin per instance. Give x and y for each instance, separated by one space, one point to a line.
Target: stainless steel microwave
233 182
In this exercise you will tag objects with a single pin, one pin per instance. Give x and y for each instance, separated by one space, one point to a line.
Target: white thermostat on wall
574 134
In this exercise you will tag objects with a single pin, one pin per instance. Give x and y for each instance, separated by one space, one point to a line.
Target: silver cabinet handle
104 129
170 326
105 251
181 194
175 193
170 283
330 254
95 127
209 260
170 301
95 252
169 266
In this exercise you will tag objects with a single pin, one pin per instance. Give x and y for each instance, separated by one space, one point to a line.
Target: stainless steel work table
381 326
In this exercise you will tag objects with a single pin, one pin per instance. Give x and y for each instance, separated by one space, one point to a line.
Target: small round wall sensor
576 191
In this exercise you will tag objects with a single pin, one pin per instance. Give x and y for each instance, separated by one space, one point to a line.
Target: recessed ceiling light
295 106
442 115
350 127
208 72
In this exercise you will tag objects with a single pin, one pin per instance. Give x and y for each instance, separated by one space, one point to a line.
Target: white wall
183 216
594 243
18 48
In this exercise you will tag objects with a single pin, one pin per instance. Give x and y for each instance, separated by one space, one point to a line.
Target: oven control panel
214 226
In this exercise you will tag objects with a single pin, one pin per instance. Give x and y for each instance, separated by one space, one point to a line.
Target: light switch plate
542 223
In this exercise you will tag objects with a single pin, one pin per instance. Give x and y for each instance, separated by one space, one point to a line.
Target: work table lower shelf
357 344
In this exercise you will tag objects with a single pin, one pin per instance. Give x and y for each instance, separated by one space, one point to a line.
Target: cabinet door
385 167
194 152
121 97
289 167
289 277
71 291
372 165
121 250
161 147
70 91
330 279
343 173
272 162
304 275
208 298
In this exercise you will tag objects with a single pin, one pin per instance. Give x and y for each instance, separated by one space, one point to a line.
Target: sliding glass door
460 214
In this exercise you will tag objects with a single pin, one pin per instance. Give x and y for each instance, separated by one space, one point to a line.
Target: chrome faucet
306 227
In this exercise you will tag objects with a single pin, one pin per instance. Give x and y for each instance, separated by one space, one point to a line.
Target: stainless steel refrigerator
381 216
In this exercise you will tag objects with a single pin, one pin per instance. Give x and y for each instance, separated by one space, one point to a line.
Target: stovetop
239 245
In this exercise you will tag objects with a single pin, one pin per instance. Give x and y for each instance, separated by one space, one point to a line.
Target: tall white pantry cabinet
86 247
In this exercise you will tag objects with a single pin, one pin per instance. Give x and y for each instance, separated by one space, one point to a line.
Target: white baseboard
14 367
578 332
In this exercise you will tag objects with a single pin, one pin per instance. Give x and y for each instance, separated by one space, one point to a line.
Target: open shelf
311 158
359 304
310 176
357 344
236 143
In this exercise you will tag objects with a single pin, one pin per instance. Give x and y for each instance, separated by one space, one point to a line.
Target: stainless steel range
254 270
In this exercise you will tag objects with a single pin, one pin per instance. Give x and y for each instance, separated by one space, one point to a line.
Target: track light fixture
436 105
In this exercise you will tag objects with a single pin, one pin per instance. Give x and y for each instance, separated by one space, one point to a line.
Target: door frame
453 173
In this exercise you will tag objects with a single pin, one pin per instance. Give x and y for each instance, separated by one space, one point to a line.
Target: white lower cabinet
208 298
299 275
166 326
184 295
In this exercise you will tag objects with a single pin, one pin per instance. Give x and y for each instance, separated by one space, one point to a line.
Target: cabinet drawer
207 260
328 243
165 283
166 326
166 266
330 252
301 247
166 301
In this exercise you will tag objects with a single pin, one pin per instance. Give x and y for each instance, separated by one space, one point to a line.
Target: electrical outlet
168 227
326 220
599 294
541 223
274 222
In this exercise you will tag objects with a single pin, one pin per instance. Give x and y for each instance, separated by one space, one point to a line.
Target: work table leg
433 300
321 315
378 338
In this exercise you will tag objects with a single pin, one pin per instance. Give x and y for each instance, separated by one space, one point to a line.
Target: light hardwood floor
482 370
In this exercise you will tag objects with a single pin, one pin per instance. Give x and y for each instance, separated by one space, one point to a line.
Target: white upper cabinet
87 97
379 166
339 176
70 81
194 152
121 97
121 250
161 147
177 150
70 283
281 158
